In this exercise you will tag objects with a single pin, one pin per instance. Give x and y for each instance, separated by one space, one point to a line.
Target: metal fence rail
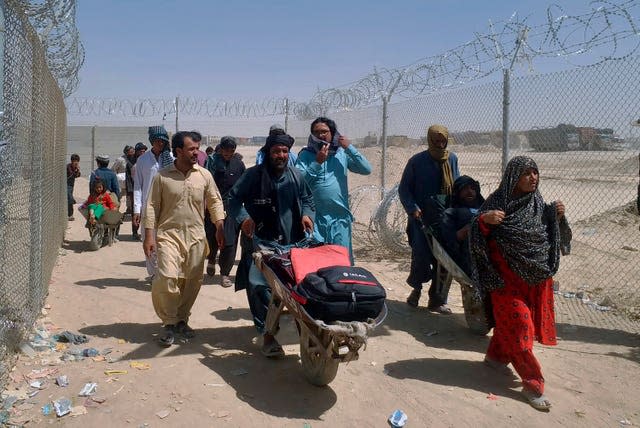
32 179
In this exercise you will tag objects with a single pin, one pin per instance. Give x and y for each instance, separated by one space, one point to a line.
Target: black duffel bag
341 293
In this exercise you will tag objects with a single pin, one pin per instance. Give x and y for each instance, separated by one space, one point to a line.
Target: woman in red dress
515 244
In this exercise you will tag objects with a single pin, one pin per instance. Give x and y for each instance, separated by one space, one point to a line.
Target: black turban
279 140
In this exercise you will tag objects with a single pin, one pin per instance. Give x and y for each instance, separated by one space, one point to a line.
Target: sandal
226 281
442 309
272 350
168 337
537 401
501 368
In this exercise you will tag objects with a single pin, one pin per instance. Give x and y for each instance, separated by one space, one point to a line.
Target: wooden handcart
323 346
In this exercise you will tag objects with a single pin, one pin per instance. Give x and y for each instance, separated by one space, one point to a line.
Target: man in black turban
271 202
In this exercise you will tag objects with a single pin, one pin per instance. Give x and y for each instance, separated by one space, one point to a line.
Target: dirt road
428 365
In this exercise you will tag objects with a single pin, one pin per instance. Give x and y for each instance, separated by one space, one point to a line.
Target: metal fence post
93 145
177 100
286 114
383 162
506 87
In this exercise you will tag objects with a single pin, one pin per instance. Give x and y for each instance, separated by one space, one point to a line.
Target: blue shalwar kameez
328 182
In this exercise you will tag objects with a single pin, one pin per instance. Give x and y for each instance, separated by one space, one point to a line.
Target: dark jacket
422 179
255 196
128 174
457 217
225 174
71 176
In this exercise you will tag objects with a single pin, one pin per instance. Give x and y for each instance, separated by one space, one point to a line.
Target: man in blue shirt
107 176
324 164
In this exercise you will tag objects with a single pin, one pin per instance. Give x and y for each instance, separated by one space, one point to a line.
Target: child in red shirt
98 201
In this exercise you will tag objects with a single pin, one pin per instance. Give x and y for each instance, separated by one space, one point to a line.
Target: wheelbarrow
323 346
474 304
103 232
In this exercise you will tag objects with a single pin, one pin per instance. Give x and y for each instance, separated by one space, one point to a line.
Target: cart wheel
96 239
318 370
474 312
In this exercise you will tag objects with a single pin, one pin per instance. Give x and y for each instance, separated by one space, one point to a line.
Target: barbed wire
188 106
55 23
609 27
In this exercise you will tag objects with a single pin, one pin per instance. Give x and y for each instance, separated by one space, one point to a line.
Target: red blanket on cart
309 260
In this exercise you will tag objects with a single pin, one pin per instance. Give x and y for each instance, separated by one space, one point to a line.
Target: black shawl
530 237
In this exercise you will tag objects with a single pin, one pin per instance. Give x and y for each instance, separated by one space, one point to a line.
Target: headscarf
441 155
159 133
276 127
314 144
278 140
459 184
530 237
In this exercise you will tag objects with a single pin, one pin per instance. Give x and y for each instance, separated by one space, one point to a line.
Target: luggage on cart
323 343
341 293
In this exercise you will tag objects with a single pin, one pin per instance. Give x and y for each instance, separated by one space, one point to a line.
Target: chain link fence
32 178
90 141
579 127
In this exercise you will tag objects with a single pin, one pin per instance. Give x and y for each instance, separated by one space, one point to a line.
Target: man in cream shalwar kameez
175 212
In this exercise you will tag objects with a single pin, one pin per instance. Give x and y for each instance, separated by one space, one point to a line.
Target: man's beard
278 166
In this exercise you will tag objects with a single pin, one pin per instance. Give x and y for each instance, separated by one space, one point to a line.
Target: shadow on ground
451 332
224 339
103 283
464 374
276 387
76 246
604 336
232 314
433 330
142 264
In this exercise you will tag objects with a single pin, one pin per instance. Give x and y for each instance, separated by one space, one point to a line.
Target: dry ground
430 366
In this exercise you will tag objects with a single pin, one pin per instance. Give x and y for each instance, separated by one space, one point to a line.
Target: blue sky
249 49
